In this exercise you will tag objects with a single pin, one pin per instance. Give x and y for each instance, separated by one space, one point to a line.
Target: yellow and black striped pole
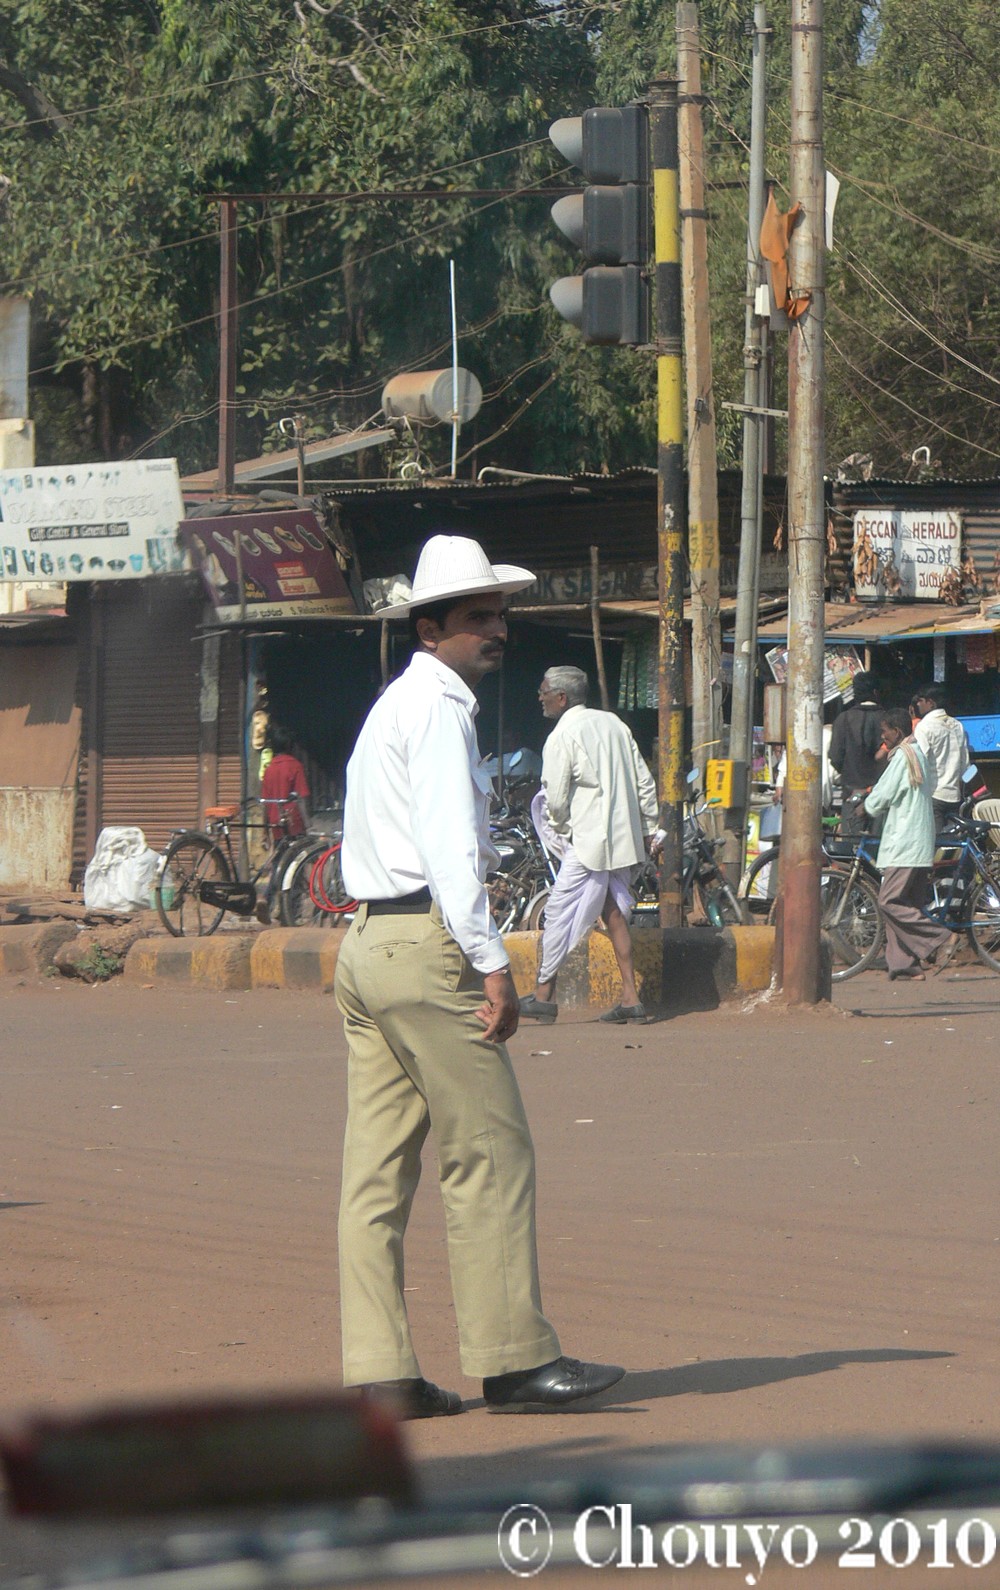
670 492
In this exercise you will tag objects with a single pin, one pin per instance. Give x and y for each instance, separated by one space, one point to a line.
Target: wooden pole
801 972
595 624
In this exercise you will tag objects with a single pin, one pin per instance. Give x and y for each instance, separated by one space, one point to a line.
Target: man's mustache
497 646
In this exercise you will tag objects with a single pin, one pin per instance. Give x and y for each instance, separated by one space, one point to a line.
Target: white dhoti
576 901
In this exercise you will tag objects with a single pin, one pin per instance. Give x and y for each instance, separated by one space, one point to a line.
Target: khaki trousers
418 1062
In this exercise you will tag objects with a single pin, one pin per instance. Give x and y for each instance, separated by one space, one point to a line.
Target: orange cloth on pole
775 231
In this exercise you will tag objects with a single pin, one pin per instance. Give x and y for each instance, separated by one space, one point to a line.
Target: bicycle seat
221 811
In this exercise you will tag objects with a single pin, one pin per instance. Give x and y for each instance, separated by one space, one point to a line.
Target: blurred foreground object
233 1451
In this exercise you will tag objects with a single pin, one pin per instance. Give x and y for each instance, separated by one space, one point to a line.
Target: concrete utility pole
670 492
702 461
801 827
754 389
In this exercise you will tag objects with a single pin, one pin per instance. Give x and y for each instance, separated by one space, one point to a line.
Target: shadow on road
716 1376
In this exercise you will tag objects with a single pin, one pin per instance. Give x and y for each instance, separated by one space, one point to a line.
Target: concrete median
31 947
690 968
678 968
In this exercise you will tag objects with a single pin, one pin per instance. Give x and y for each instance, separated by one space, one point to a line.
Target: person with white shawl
905 853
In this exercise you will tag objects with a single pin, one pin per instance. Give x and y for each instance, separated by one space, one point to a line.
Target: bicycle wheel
760 883
720 905
190 861
534 916
852 920
289 862
984 921
326 884
296 907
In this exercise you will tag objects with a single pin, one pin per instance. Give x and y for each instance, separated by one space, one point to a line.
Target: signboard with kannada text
283 559
91 521
921 545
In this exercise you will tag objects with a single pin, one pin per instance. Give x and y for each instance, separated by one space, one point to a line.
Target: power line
923 418
278 292
932 375
61 271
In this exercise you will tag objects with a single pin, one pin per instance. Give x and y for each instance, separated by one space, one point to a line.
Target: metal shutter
151 686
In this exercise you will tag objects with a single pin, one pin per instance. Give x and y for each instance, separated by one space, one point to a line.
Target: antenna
454 372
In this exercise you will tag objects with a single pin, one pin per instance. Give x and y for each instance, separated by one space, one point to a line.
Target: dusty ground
784 1224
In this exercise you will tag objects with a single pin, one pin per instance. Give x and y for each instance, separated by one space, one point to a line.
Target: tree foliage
120 118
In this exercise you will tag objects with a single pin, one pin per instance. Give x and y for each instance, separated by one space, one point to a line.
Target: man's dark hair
438 611
931 692
864 686
279 739
897 718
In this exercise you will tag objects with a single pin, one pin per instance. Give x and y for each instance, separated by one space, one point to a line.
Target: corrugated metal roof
878 623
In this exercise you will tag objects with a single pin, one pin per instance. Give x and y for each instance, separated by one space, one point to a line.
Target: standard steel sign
91 521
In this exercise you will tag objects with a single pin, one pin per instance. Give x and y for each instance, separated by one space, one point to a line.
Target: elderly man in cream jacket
601 802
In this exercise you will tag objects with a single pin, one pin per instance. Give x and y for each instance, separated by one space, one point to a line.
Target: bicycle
966 890
849 908
198 877
312 892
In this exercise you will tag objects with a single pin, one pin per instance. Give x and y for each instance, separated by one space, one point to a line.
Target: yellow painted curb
296 958
205 963
523 949
754 958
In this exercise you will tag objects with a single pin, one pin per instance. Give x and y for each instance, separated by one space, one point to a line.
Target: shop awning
624 611
876 624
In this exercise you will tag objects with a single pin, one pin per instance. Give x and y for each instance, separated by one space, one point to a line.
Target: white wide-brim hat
451 567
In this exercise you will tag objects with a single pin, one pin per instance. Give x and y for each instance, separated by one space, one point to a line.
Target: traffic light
609 223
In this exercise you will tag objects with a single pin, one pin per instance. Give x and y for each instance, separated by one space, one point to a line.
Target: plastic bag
119 875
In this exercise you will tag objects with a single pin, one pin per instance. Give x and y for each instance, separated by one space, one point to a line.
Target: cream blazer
599 791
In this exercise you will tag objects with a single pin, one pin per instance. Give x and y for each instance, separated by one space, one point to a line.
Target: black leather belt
420 900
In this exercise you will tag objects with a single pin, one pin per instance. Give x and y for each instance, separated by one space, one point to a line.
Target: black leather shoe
550 1387
412 1399
620 1014
539 1009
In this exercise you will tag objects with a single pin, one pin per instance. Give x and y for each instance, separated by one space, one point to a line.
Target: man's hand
501 1011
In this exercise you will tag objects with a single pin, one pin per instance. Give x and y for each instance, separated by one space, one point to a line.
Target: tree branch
45 119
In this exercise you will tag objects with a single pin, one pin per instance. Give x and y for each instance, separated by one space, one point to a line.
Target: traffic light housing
609 222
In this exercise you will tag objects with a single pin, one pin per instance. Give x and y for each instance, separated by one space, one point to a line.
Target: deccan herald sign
922 546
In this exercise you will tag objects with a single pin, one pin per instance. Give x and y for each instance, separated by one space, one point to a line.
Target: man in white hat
424 985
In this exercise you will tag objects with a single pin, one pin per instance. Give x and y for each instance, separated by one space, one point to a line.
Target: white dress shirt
945 744
598 789
417 812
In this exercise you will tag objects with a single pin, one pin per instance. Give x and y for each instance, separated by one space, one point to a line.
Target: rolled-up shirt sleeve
446 828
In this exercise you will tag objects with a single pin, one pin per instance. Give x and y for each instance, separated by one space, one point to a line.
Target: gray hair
571 682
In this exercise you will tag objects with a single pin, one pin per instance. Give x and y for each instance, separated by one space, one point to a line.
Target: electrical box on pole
609 222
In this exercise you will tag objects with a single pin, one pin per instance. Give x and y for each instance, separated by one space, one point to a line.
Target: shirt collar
428 667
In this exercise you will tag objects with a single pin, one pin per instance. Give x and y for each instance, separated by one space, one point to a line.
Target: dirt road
784 1224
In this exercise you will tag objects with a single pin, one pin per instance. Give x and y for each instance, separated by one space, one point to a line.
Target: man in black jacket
853 747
